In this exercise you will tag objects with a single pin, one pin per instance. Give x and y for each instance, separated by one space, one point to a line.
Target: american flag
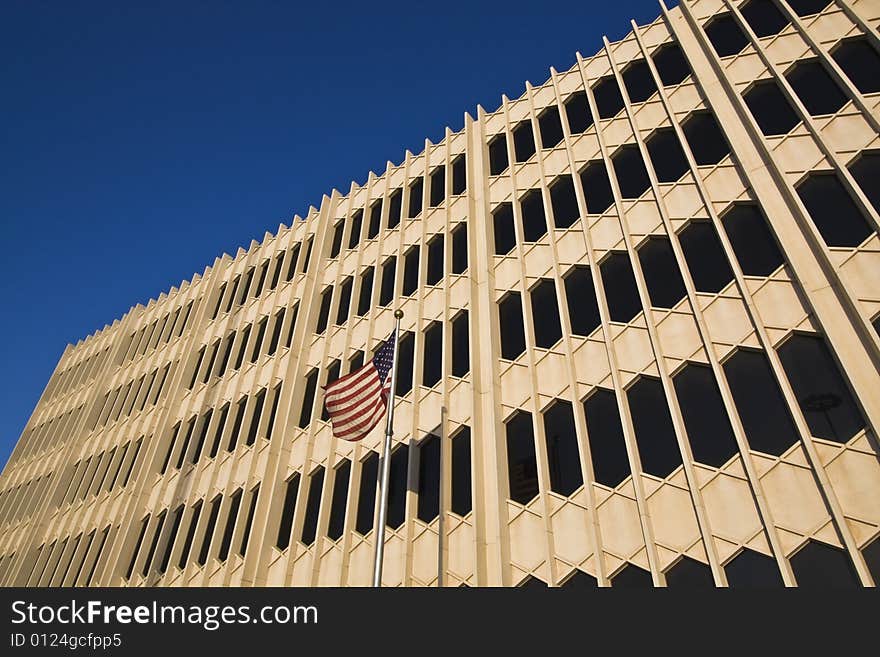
357 401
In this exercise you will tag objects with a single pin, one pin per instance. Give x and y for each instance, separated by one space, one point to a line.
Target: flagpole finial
398 314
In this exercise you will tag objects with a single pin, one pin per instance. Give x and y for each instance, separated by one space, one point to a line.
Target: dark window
534 221
652 423
621 292
375 219
174 432
137 547
395 202
357 221
254 428
550 127
367 493
294 257
608 99
435 260
209 530
523 141
344 301
236 425
513 337
607 444
759 401
276 396
289 339
324 311
276 332
562 448
837 217
763 17
227 352
859 59
245 535
807 7
153 544
671 65
820 566
505 237
829 408
753 243
211 360
416 190
771 109
397 486
332 374
461 364
231 518
305 415
218 434
356 361
564 202
461 471
597 188
231 298
632 577
577 111
688 573
432 371
522 466
249 277
190 535
865 170
459 175
638 81
366 291
726 36
629 167
459 249
336 525
308 253
336 245
386 292
545 314
705 257
258 342
313 506
705 139
667 157
291 492
580 580
817 90
190 426
411 271
583 311
242 347
705 418
438 186
264 270
405 354
429 479
661 272
497 155
137 451
753 570
276 271
219 302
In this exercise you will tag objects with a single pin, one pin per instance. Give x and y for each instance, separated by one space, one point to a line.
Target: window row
252 283
161 331
99 473
169 543
251 342
47 434
638 79
69 561
132 397
227 426
76 375
19 502
823 396
439 260
424 459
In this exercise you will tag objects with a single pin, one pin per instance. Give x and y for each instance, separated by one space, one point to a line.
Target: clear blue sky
138 141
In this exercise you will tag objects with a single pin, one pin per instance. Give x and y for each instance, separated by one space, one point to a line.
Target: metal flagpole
379 552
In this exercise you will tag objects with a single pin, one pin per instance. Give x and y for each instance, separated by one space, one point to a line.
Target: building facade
640 347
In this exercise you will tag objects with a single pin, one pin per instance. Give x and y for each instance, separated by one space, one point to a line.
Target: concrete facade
172 448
